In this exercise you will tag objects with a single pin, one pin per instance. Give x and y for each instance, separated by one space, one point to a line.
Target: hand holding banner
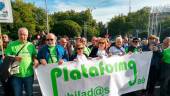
111 76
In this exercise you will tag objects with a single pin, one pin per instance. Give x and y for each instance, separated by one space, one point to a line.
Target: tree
67 27
165 28
102 29
84 19
91 31
25 15
127 25
118 25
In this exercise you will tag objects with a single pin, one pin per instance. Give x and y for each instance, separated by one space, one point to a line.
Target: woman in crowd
100 50
79 55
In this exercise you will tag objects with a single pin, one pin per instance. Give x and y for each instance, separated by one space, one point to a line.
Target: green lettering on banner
65 70
84 71
75 74
93 71
101 68
122 66
56 72
109 68
132 65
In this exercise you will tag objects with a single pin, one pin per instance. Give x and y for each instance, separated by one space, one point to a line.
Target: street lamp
47 26
129 6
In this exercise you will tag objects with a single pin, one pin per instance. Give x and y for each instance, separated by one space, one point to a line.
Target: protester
51 52
135 46
125 43
86 49
5 40
154 71
100 50
79 56
117 49
165 69
5 83
64 43
26 59
69 46
78 40
94 43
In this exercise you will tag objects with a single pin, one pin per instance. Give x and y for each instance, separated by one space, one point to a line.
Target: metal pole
47 16
85 29
129 6
149 23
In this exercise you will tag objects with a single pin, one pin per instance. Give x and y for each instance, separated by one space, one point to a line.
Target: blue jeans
20 83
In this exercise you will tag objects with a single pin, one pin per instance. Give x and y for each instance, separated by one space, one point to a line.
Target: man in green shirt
27 59
52 52
165 69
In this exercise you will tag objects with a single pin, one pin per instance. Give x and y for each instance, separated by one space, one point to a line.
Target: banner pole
2 49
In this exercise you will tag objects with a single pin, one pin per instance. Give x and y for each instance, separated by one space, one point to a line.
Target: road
36 90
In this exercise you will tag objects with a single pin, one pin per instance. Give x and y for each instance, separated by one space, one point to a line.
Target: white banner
5 11
107 77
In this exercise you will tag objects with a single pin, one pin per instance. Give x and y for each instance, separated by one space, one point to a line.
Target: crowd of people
47 49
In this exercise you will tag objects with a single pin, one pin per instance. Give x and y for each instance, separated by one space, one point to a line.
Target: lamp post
47 26
129 6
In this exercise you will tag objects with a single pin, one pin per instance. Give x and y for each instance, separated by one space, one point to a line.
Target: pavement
36 89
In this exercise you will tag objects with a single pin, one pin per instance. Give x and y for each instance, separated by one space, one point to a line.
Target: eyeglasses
80 48
50 39
135 41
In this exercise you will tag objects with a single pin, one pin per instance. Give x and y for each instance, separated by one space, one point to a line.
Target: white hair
119 38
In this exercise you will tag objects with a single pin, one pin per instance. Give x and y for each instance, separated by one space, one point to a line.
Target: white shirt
101 53
116 51
81 58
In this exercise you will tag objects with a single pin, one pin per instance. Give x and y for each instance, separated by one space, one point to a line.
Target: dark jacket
94 52
133 49
43 53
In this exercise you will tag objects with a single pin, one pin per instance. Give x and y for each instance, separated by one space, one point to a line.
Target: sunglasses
50 39
135 41
80 48
101 42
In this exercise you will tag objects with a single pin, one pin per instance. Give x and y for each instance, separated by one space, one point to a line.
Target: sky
102 10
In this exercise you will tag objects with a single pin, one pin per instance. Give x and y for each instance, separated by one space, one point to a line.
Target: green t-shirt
166 55
53 55
27 54
87 51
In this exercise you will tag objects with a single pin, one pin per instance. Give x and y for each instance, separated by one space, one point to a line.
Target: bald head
166 42
63 42
23 34
51 39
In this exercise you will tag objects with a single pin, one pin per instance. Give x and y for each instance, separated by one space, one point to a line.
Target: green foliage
127 25
66 27
165 28
118 25
25 15
83 19
102 29
91 31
